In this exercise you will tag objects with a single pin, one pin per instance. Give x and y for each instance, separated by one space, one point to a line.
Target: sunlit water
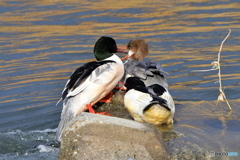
42 42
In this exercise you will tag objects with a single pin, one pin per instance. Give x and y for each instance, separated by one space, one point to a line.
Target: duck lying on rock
152 104
149 72
91 82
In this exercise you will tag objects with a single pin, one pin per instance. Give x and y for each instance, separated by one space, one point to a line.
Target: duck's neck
102 55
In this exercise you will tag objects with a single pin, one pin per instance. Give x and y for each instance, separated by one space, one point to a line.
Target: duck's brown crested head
139 48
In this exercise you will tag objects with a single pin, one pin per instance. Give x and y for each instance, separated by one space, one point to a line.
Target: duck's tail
67 115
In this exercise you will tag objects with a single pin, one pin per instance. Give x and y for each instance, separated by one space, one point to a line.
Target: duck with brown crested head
150 72
138 49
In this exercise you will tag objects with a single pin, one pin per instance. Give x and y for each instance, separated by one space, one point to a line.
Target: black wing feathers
157 100
156 89
81 74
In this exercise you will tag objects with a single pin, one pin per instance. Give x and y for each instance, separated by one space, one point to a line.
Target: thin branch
219 56
222 94
216 66
213 69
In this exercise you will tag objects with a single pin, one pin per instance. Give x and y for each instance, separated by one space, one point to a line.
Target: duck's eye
129 46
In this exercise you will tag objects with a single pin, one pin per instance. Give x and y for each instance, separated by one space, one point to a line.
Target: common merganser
152 104
91 82
149 72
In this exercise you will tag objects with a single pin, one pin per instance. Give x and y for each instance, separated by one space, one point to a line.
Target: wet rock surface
91 136
116 107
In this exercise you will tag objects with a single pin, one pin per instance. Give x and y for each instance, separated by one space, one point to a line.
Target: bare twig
213 69
222 96
216 66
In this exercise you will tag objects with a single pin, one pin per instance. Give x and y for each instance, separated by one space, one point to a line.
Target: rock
115 108
98 137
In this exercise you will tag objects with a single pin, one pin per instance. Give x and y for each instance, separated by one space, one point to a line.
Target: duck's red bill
126 57
121 50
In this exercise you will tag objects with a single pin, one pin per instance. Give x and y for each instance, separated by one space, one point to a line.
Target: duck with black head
91 82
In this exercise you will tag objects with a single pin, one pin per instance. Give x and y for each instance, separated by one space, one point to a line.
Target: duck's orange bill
121 50
126 57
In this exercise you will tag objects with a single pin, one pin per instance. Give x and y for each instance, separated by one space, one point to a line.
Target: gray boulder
97 137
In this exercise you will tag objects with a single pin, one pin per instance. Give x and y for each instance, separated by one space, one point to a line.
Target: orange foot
121 88
103 113
107 98
91 110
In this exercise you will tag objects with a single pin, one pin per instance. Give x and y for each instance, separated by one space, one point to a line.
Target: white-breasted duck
91 82
152 104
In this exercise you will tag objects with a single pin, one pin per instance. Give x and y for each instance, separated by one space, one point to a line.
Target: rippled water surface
42 42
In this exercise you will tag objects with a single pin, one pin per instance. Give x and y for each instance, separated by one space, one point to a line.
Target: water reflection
42 42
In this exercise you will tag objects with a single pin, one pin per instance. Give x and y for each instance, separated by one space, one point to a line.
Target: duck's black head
104 48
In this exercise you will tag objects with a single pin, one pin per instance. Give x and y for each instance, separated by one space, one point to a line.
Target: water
37 144
42 42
